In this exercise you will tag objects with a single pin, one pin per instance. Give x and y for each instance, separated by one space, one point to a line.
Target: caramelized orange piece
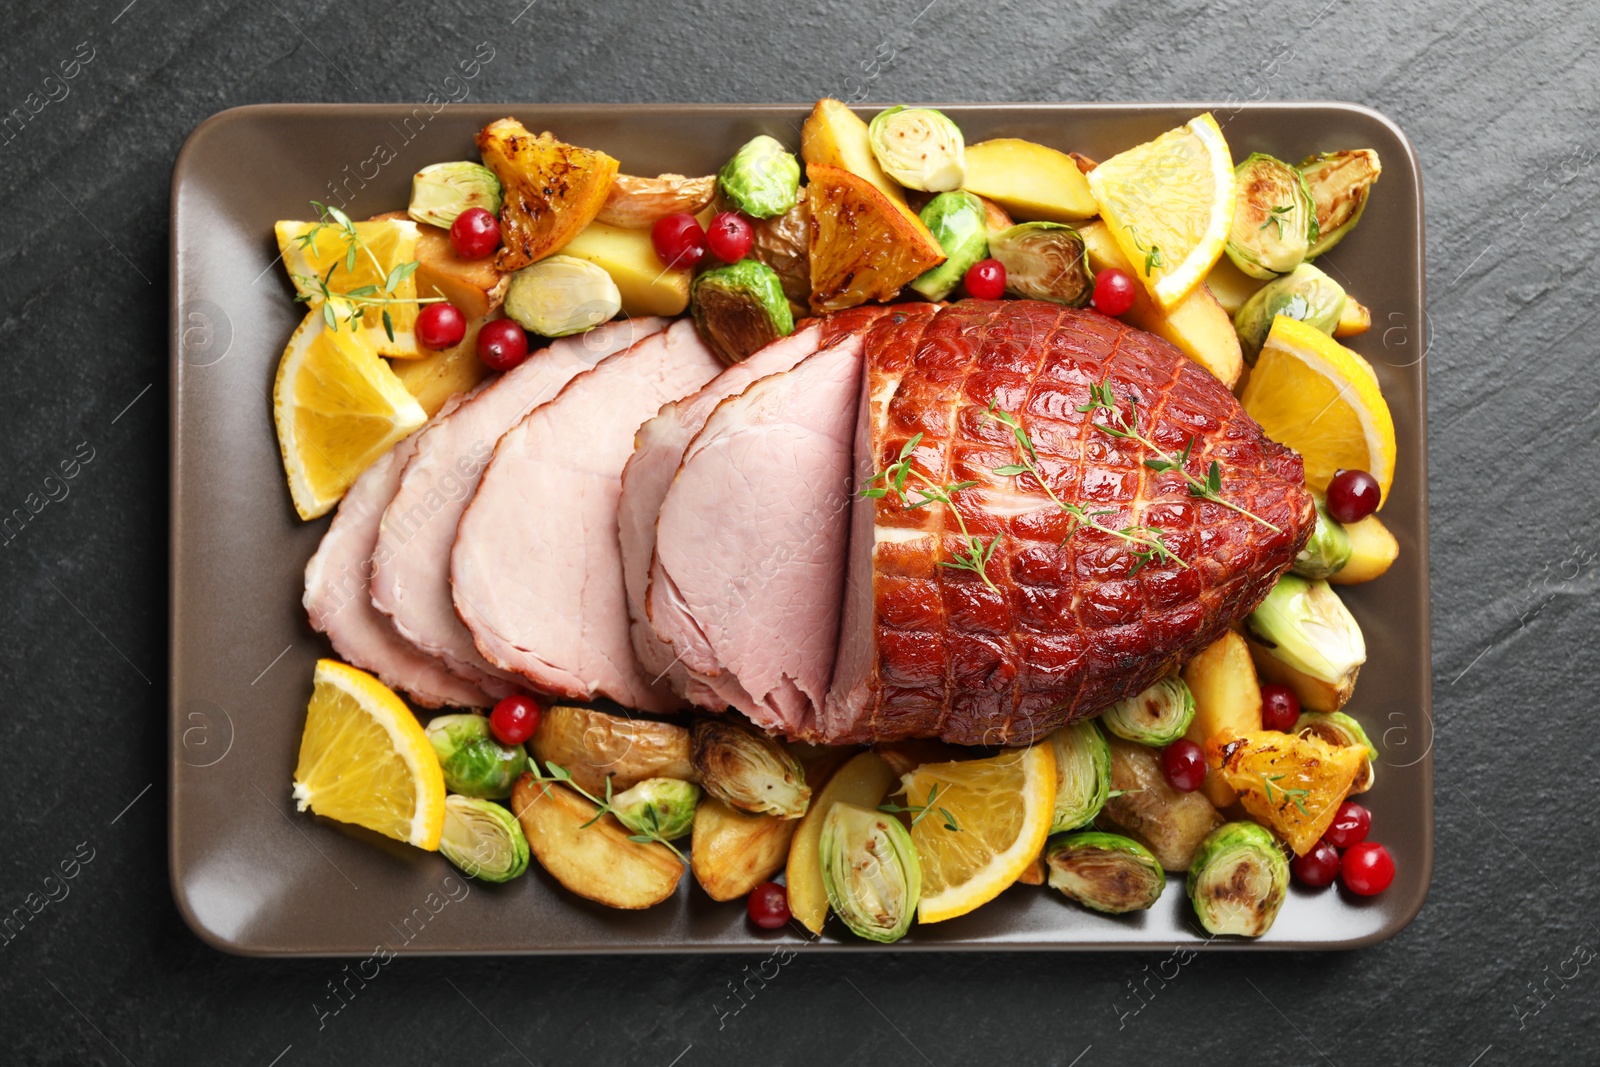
552 189
864 246
1292 785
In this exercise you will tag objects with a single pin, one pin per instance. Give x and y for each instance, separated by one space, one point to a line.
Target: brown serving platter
251 875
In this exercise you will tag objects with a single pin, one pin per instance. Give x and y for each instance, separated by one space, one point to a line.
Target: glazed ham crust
1074 623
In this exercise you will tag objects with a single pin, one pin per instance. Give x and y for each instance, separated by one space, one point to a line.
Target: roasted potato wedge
1169 823
1227 696
1315 694
636 203
1231 286
438 376
596 861
865 780
783 243
1032 182
1033 873
733 851
1355 318
864 246
552 189
1372 550
835 136
995 218
596 745
647 286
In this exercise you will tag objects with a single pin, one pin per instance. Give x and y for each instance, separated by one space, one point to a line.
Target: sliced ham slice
336 594
537 569
411 582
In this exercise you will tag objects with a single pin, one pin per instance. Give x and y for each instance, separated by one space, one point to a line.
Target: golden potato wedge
783 243
865 780
596 861
1227 696
636 203
864 246
1169 823
733 851
438 376
1372 550
1314 693
1231 286
835 136
1197 326
1032 182
1033 873
648 286
552 189
995 218
596 745
1355 318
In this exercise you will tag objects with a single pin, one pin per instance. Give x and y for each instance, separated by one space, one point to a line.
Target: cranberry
1368 868
768 905
1280 708
1316 868
440 326
1353 495
474 234
1184 764
502 344
1113 291
730 236
986 279
1349 826
514 719
679 241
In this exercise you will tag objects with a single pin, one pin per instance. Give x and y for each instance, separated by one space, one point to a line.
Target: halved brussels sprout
475 764
561 295
1337 728
1105 872
919 147
958 221
663 807
748 770
483 839
1274 218
1305 294
1156 717
1304 625
739 308
762 179
441 192
1327 551
1083 774
1339 183
1238 880
1044 261
870 871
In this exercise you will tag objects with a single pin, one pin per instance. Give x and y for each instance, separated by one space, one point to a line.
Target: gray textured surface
1501 103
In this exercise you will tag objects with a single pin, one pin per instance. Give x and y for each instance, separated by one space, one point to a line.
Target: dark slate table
1501 101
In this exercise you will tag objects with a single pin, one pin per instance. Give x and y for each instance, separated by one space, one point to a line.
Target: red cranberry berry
1349 827
1280 708
1316 868
768 905
475 234
730 236
1184 764
678 239
502 344
440 326
1368 869
986 279
1113 291
514 719
1353 495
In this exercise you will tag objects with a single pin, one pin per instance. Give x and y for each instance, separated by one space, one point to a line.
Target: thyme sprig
975 554
557 773
1101 398
1152 254
1275 217
1294 796
361 297
919 811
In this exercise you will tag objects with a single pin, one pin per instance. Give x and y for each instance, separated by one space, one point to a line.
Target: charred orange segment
1292 785
864 246
552 189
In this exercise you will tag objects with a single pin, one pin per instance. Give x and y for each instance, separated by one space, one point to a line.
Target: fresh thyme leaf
1010 470
919 811
1275 216
911 445
329 317
388 324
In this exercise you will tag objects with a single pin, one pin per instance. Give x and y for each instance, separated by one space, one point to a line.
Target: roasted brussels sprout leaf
659 808
475 764
483 839
1339 183
870 871
748 770
919 147
562 295
1105 872
1156 717
1083 774
1341 730
762 179
1044 261
739 308
1305 294
1274 219
1303 625
1238 880
551 189
441 192
957 221
1328 550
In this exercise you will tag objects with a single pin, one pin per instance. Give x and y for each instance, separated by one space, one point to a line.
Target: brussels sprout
663 807
1105 872
1083 774
1304 625
1328 550
1305 293
762 179
561 295
919 147
748 770
1274 219
483 839
958 222
1238 880
443 191
1044 261
870 871
474 763
1156 717
1337 728
1339 183
739 308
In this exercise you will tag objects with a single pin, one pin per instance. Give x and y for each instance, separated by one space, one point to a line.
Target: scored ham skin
411 581
930 651
336 597
537 569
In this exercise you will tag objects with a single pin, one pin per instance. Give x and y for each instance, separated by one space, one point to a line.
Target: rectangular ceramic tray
252 876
